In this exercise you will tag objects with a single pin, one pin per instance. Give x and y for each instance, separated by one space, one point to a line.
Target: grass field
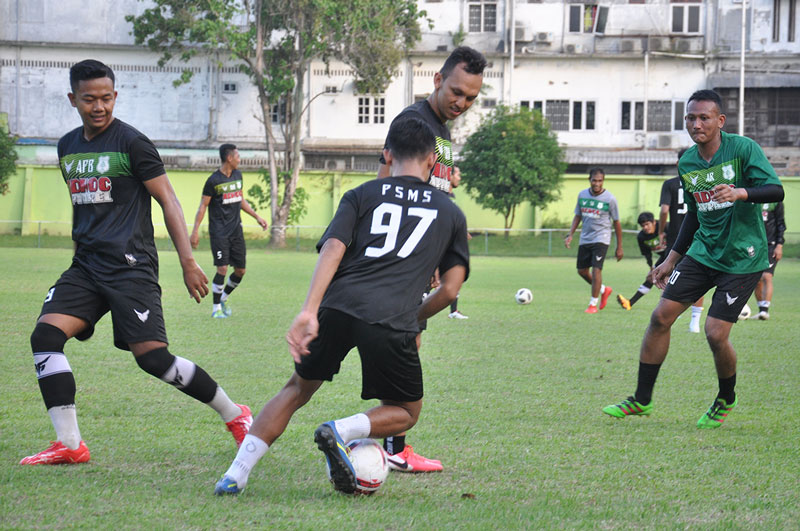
512 408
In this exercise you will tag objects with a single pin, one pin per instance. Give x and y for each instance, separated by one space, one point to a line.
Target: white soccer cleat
457 315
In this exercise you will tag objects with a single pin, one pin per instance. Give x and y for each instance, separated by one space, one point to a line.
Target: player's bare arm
249 209
194 239
724 193
305 326
575 222
193 276
449 286
618 232
662 224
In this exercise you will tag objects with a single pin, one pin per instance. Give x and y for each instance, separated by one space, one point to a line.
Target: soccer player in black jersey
222 195
649 243
775 225
456 87
375 260
112 171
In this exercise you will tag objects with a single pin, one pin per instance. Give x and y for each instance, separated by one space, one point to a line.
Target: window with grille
378 110
662 115
557 113
482 17
278 112
371 107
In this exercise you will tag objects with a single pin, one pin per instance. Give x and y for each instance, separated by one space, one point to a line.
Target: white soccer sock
356 427
251 450
216 308
763 304
224 296
593 301
602 288
696 311
65 421
224 406
643 289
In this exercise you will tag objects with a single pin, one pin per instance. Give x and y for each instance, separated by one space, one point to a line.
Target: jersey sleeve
344 221
613 209
458 252
666 197
756 168
145 160
208 188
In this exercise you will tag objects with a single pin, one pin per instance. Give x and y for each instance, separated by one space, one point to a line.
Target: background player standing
456 86
775 225
365 293
597 209
722 244
222 195
112 171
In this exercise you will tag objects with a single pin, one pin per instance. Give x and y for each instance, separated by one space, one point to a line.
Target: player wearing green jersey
722 244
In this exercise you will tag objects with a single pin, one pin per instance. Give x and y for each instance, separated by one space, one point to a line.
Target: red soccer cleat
240 425
591 309
58 454
604 297
409 461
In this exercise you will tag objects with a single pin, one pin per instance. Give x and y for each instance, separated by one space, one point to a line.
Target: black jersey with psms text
443 169
398 230
225 207
112 223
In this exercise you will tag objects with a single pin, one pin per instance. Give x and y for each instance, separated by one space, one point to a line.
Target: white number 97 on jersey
391 228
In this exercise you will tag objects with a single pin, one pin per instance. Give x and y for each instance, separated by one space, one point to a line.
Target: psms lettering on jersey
411 194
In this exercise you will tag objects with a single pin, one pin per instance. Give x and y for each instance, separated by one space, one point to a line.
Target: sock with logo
643 290
648 372
187 378
726 391
56 382
395 444
697 312
233 281
356 427
217 287
763 306
593 301
251 450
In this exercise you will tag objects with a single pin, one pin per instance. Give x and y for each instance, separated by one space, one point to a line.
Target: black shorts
691 280
390 367
135 305
772 263
592 255
229 250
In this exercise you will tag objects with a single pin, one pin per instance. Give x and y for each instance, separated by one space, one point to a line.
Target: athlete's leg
597 281
718 337
217 288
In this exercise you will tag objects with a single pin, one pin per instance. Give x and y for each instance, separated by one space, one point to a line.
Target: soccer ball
523 296
745 313
369 461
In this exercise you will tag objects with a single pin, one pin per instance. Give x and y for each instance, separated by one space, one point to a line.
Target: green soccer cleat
627 407
716 414
226 309
219 314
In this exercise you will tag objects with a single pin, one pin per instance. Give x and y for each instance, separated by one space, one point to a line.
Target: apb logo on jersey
443 168
231 192
700 184
592 208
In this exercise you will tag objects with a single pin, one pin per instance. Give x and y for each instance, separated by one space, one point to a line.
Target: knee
299 390
660 321
47 338
239 272
716 337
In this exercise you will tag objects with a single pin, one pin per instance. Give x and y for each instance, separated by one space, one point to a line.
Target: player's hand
435 280
660 274
195 279
263 222
619 253
567 240
778 253
304 329
662 239
194 240
723 193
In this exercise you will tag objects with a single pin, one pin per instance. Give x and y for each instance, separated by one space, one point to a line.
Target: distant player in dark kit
775 225
598 211
456 87
222 195
112 172
375 260
721 244
649 243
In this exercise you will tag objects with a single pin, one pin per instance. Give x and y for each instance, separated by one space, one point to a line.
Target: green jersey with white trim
731 236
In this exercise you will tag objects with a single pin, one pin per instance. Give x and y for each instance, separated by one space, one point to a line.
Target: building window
583 18
772 115
378 110
488 103
678 115
331 89
686 18
662 115
525 104
376 106
792 19
557 113
776 20
482 17
583 115
632 116
278 112
229 87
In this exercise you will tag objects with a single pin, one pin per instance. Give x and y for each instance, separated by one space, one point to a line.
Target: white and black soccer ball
745 313
370 463
523 296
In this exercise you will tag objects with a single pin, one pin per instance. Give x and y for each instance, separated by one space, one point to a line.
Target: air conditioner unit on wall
573 48
627 45
544 37
657 44
335 164
664 141
682 45
523 33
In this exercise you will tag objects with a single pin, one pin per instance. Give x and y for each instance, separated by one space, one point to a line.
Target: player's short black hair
474 61
681 152
410 137
645 216
88 69
706 95
225 150
595 171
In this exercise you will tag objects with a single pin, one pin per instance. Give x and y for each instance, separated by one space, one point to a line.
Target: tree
8 159
511 158
274 42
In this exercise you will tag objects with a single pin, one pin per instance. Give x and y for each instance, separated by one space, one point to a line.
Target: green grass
512 408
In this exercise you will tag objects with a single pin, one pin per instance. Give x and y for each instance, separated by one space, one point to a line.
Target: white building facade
612 77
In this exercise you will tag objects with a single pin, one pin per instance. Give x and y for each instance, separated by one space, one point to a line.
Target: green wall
38 194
